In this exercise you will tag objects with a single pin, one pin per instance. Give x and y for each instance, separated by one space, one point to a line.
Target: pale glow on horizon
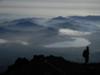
50 8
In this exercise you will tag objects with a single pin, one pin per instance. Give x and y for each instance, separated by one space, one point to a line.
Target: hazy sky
49 8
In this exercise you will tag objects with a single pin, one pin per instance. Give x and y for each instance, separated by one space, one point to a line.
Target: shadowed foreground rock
50 65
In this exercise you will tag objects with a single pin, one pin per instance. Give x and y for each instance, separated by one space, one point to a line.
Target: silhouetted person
86 55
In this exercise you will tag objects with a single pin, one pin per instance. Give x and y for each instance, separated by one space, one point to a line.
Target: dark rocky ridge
51 65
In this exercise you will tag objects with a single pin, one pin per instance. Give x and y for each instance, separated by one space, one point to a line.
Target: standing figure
86 55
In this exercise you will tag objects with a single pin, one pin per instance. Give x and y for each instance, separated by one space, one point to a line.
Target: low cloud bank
71 32
77 42
4 41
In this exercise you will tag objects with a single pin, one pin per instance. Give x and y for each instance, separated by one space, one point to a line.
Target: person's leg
86 60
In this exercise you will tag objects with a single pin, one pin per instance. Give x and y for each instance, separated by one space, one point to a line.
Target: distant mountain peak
59 18
89 17
22 22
